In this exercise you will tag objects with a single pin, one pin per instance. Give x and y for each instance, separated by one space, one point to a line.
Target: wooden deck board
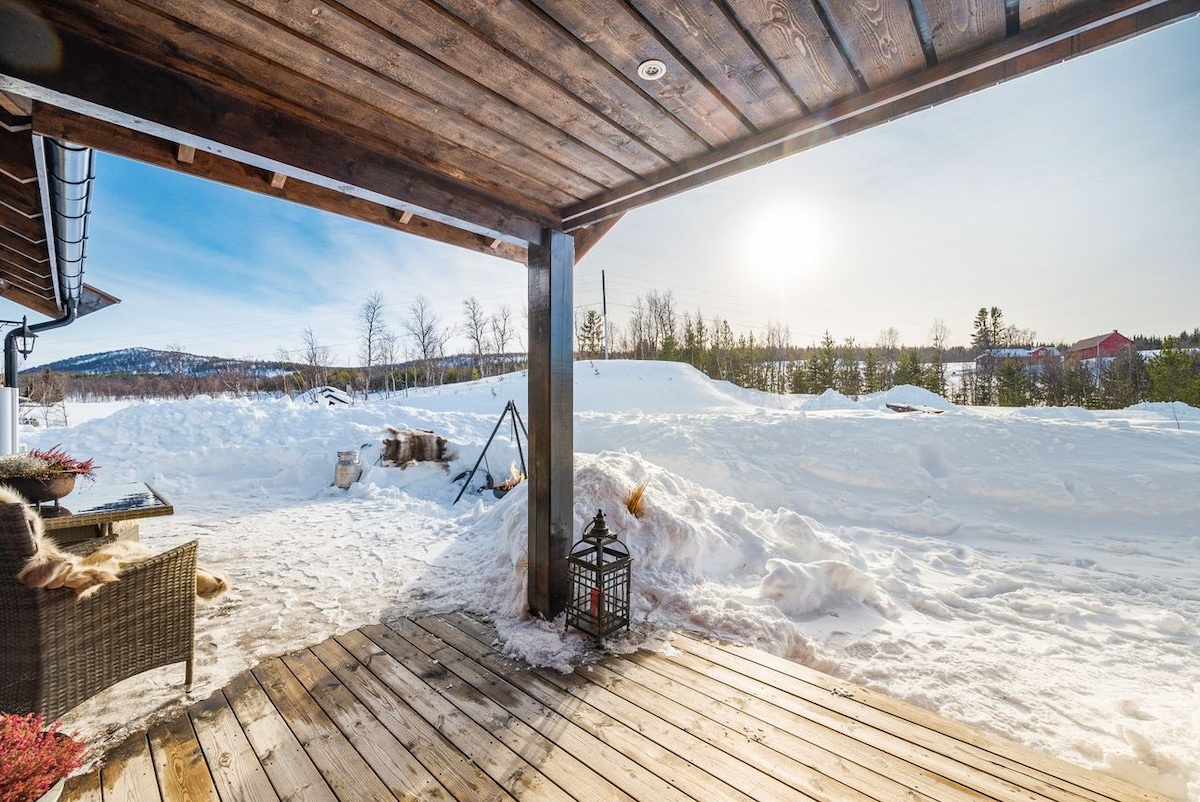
428 709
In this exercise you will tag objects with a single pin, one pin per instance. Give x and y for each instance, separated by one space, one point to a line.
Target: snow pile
1032 572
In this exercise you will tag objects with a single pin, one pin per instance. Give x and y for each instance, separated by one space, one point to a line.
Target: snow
1032 572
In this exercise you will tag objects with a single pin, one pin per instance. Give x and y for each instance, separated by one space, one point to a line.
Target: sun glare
782 241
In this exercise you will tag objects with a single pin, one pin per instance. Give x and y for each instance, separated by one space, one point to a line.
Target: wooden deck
427 709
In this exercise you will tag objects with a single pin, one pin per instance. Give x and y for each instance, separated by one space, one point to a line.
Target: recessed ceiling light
652 70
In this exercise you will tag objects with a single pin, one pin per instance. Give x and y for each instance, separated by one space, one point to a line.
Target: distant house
1029 357
1102 345
995 356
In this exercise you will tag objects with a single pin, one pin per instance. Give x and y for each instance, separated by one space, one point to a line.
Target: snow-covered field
1035 572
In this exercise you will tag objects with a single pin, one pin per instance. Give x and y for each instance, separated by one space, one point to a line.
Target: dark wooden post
551 404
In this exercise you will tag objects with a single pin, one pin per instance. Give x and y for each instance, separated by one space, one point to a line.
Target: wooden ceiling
482 122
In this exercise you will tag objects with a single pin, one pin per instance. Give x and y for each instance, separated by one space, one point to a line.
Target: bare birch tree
428 335
370 331
476 324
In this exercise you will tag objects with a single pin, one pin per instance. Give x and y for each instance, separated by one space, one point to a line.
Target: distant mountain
149 362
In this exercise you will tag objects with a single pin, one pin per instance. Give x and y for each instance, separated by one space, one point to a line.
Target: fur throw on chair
51 567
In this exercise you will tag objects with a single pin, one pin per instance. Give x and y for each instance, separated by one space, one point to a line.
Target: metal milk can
347 470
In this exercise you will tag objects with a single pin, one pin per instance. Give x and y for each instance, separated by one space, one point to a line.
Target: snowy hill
148 361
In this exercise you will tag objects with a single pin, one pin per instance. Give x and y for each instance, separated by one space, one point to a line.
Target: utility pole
604 307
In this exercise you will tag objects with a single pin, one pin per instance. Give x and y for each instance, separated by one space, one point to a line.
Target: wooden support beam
185 154
99 81
586 238
62 124
15 105
551 433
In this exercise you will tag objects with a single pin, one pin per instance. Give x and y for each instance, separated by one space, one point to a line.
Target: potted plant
35 762
43 475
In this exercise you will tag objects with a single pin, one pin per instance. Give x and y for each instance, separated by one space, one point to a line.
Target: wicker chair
57 651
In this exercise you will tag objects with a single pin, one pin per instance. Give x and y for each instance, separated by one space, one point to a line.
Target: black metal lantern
24 338
599 567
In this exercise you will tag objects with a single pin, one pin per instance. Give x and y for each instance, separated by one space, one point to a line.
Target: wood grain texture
128 773
508 768
461 777
432 698
792 35
348 774
288 766
257 58
624 39
611 764
179 763
880 37
1036 12
704 33
346 50
16 157
399 770
18 244
24 199
235 769
30 229
84 787
525 34
959 26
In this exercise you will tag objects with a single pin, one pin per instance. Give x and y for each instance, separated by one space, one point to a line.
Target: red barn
1100 345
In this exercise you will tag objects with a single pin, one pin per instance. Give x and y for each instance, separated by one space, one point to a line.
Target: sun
782 241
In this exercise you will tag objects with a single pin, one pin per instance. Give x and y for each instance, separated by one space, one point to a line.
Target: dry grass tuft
635 501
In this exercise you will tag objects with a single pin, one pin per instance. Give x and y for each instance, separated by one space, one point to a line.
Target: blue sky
1070 198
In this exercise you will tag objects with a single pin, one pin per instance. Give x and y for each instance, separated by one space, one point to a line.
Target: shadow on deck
428 710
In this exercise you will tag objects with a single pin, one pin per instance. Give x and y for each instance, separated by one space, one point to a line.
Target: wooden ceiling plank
880 36
37 303
100 81
1070 35
32 267
1034 11
528 35
348 54
708 38
623 39
959 26
24 199
443 38
110 138
15 271
567 162
16 157
35 251
793 36
30 229
249 51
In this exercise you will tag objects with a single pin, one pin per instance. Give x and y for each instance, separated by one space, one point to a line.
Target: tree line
392 360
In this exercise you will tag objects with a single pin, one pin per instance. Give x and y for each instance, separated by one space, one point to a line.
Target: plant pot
38 491
54 792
